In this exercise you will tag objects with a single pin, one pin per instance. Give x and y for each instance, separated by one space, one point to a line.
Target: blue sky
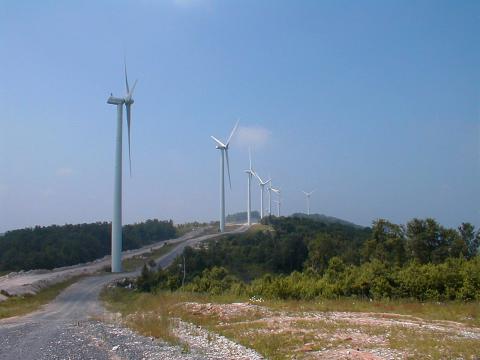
373 103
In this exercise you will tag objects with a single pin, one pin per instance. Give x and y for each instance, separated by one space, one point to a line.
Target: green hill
326 219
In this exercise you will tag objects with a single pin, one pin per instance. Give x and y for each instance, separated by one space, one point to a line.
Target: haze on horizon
375 104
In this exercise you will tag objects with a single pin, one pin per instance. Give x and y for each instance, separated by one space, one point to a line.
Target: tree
387 243
423 238
472 240
320 250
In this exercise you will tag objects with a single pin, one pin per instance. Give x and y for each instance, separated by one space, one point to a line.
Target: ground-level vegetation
304 288
285 329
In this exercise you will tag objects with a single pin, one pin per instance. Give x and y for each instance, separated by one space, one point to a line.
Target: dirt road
66 328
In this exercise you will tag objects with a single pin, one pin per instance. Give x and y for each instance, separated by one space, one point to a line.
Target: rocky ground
336 335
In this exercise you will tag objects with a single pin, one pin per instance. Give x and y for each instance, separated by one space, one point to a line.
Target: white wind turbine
250 172
224 154
279 201
117 193
307 195
269 188
262 186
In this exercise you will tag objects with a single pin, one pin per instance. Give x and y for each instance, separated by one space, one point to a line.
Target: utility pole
184 272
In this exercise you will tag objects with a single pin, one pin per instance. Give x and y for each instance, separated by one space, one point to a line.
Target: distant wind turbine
250 172
117 193
279 201
224 154
269 188
262 186
308 194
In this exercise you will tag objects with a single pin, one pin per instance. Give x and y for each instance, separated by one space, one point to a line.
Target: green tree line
48 247
300 258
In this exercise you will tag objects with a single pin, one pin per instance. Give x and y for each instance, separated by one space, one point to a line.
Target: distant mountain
326 219
241 217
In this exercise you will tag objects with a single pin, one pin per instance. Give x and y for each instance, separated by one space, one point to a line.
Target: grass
154 319
465 312
21 305
297 335
259 227
421 345
138 261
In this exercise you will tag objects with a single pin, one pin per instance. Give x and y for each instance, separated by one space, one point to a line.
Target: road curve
66 329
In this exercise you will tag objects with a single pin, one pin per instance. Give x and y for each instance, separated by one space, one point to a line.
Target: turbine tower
307 195
224 154
269 188
262 186
250 172
117 193
279 201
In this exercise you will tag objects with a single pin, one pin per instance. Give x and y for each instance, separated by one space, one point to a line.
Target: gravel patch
123 343
214 346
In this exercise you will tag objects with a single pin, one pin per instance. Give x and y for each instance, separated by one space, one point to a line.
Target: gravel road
66 328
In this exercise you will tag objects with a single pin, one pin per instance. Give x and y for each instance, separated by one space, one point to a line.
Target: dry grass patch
432 345
136 262
302 330
467 313
146 313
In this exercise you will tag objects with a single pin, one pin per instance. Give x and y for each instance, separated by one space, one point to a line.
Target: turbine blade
126 79
218 141
128 127
133 88
228 168
250 157
231 134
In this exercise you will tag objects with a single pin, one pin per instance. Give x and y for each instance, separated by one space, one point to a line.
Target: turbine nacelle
115 101
308 194
221 146
128 100
262 183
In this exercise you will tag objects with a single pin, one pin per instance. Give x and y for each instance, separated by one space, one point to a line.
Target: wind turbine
250 173
279 201
269 188
308 194
262 185
117 192
224 154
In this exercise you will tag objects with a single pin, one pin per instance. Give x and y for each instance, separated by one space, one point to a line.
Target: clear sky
373 103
